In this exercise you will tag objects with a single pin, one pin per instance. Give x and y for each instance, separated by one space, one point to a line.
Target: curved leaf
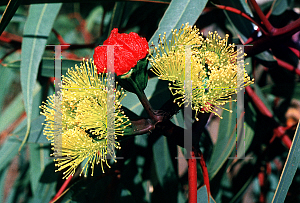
279 6
37 29
6 78
8 151
225 142
42 175
289 170
15 109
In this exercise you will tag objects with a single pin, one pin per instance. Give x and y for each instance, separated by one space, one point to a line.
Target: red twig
287 66
9 37
192 176
59 37
81 27
280 133
268 168
262 17
285 139
251 38
261 180
205 174
234 10
258 103
265 111
61 190
295 51
289 29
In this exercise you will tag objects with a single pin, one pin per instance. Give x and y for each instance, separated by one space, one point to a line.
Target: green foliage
37 29
151 167
289 170
225 142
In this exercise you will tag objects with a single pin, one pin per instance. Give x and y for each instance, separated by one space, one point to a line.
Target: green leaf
225 142
47 65
8 151
289 170
11 113
202 195
26 2
14 110
6 78
3 176
280 6
36 134
178 119
265 56
93 17
164 155
162 159
179 12
132 175
19 191
37 29
9 12
42 175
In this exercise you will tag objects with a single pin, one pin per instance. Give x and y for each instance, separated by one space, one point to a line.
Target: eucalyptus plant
116 125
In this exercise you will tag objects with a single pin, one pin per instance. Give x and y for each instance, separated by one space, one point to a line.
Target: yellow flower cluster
215 75
76 120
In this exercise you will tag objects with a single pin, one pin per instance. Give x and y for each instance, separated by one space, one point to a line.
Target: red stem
289 29
61 190
192 176
288 66
251 38
234 10
265 111
261 180
280 133
59 37
295 51
205 174
258 103
262 17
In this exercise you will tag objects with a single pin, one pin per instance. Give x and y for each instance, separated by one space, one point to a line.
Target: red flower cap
131 49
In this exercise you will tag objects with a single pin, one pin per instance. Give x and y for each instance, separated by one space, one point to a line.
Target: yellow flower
215 74
76 120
